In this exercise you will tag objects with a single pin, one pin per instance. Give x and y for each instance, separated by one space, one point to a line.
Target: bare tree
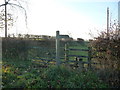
10 20
13 4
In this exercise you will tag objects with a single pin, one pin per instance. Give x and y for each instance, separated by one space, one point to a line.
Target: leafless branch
8 0
2 5
21 8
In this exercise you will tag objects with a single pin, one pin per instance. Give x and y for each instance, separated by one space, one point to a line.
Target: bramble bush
106 49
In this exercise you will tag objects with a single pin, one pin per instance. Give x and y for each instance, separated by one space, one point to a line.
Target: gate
73 56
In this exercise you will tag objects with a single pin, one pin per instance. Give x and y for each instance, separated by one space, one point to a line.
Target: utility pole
5 19
119 17
108 22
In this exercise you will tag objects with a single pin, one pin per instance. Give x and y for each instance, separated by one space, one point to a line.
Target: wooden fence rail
77 61
78 58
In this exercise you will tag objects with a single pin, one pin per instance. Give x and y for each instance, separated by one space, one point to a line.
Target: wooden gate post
89 57
58 36
57 48
66 53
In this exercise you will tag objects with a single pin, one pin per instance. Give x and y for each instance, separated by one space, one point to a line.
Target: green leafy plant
62 77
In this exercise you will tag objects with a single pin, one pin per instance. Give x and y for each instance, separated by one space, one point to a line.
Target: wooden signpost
58 37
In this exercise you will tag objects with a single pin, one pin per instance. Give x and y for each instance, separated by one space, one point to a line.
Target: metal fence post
57 48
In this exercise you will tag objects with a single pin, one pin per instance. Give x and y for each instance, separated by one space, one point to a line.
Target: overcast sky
74 17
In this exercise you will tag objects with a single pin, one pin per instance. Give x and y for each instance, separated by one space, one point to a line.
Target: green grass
79 53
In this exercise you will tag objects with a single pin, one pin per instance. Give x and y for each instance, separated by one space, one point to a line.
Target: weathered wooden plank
79 49
78 56
45 60
45 63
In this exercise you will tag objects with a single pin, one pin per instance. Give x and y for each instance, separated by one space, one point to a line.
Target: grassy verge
26 74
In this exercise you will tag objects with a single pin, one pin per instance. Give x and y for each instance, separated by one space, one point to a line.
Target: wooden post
76 62
58 36
57 48
66 53
81 64
89 57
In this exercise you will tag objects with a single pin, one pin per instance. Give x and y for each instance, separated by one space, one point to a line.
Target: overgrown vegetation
21 48
106 49
19 71
30 75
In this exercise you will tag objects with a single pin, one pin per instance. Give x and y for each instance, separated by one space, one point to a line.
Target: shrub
14 48
52 77
24 49
106 49
62 77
